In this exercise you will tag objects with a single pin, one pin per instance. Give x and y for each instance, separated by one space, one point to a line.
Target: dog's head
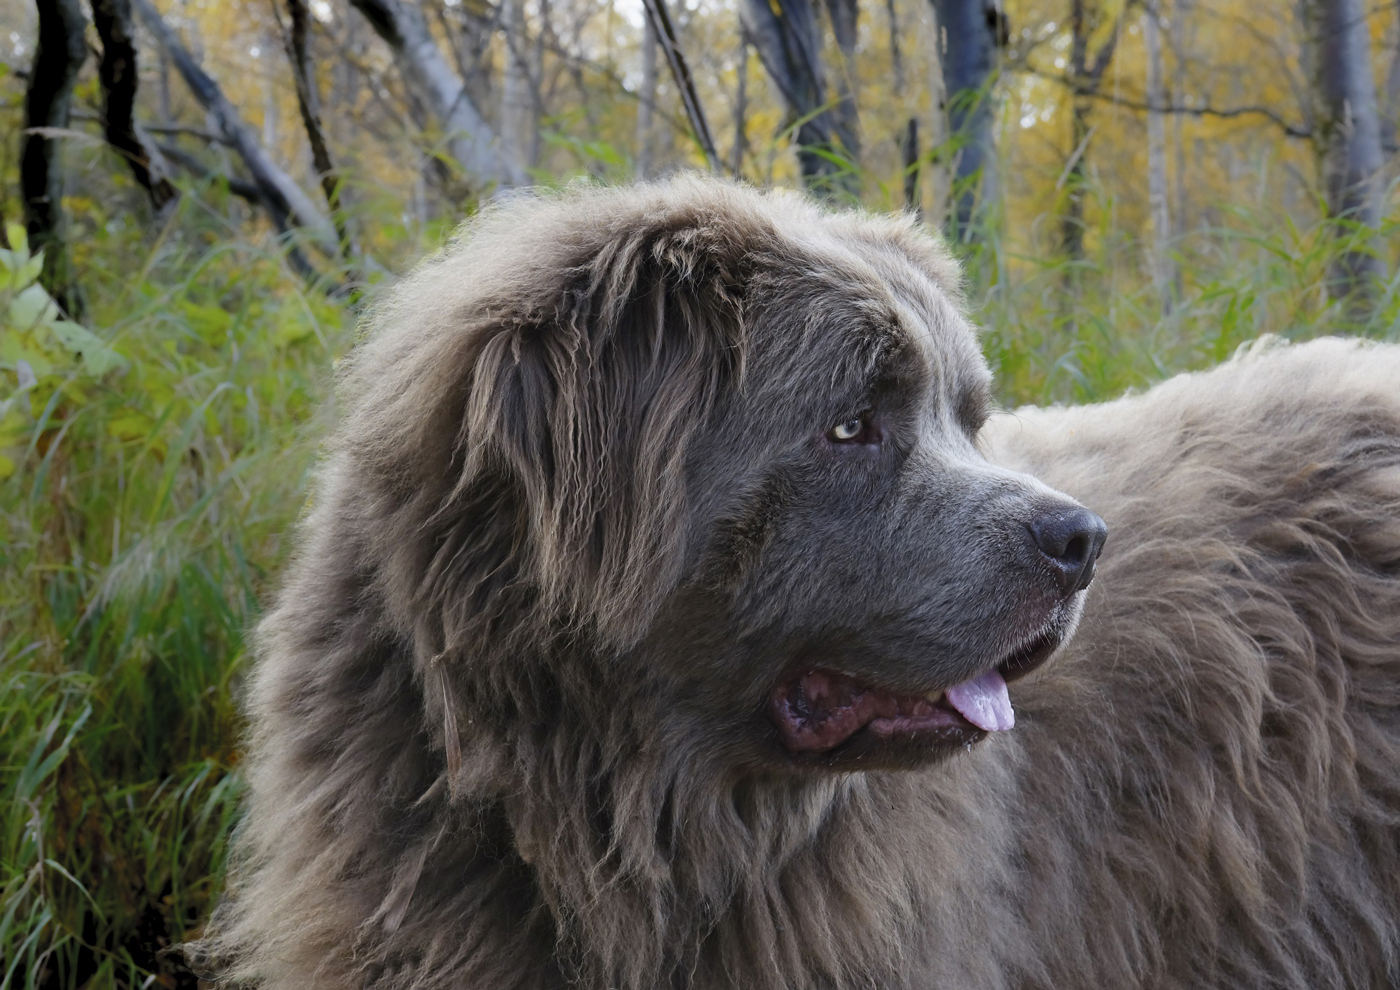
722 445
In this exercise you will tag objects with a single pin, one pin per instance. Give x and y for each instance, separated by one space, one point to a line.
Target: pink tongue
983 701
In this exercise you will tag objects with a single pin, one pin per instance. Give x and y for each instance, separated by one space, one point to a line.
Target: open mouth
819 710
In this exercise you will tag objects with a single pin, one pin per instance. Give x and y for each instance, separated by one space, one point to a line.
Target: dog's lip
818 710
1024 659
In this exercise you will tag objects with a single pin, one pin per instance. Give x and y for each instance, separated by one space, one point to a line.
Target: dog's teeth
934 696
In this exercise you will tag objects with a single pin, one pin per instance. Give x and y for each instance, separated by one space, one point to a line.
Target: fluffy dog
653 625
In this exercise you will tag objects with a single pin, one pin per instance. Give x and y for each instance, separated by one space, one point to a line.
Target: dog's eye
856 429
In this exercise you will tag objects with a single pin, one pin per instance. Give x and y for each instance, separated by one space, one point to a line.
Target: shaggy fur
508 722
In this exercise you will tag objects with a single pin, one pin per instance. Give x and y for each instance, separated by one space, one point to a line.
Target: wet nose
1070 540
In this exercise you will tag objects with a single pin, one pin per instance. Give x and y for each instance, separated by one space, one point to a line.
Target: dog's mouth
819 710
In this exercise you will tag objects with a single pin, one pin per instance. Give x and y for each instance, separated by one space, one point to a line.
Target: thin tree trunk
1390 117
470 140
909 139
1158 205
516 103
845 27
741 104
789 46
971 32
278 187
47 100
939 160
119 77
646 103
309 104
1348 132
1085 76
911 165
1181 14
896 54
670 44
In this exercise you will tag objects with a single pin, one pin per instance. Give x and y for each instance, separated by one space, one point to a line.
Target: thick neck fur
659 871
662 873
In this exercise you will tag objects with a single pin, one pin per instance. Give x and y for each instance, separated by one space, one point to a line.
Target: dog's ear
575 427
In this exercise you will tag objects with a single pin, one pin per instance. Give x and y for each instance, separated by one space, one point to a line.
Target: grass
152 461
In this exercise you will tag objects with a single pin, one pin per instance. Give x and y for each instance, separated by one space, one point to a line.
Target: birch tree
785 34
469 138
1158 205
970 35
1346 126
646 99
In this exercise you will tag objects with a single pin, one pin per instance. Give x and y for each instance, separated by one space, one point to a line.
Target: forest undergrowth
153 459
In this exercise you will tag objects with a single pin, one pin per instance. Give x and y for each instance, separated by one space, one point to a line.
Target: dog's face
862 582
730 443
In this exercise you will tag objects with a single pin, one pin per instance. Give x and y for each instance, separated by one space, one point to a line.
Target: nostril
1070 540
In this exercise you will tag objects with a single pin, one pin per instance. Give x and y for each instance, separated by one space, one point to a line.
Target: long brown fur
462 776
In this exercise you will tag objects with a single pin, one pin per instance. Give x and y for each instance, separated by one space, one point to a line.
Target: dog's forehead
925 316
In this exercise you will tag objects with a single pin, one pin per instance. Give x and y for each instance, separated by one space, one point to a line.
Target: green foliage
151 466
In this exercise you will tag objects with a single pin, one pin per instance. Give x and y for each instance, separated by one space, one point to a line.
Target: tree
971 33
119 77
1346 127
1158 205
646 100
285 201
47 103
470 139
785 35
1085 76
309 104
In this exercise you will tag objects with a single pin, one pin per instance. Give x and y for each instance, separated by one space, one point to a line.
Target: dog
675 610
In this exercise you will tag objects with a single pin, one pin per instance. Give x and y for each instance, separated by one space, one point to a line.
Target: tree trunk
1182 13
911 165
741 105
970 32
309 104
517 105
646 102
670 44
57 58
119 77
845 27
470 140
1390 116
1347 128
1086 74
278 187
788 43
1158 206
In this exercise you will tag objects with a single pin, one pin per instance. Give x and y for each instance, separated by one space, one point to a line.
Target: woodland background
198 197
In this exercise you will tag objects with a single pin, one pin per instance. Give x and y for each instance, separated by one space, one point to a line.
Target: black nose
1070 541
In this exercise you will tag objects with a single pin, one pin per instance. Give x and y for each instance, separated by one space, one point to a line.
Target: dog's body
607 664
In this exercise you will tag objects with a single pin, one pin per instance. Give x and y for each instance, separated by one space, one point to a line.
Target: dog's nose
1070 541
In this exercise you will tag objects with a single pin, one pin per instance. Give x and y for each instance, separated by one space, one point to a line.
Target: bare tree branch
1273 116
278 187
309 103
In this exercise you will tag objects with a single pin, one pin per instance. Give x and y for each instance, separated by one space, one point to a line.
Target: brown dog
653 624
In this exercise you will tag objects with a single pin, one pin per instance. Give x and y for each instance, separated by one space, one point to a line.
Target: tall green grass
152 461
152 470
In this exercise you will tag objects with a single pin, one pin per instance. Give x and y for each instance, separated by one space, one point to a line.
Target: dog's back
1213 767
